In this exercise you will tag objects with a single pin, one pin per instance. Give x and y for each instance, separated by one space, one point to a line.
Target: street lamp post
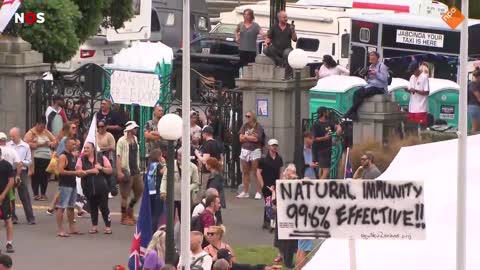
170 129
297 59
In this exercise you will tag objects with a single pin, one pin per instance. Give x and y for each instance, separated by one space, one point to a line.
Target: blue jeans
68 197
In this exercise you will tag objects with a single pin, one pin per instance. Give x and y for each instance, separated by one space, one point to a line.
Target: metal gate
85 85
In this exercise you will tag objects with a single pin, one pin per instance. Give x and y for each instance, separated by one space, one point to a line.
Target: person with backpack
156 169
378 78
252 138
200 259
177 178
94 170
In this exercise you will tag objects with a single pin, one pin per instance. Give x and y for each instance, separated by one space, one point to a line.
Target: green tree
474 6
69 23
56 38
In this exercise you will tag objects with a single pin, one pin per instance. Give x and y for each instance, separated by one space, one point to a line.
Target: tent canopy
142 57
436 165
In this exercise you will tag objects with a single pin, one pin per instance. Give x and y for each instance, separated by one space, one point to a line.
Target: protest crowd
91 168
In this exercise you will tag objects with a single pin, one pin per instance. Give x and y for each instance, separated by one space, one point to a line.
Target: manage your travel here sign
350 209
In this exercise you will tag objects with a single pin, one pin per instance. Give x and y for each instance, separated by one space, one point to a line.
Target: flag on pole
8 9
142 235
348 166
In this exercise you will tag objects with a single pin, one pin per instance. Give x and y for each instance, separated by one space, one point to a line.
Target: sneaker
258 196
10 248
83 214
50 211
243 195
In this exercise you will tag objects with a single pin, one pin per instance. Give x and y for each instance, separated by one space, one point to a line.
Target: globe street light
170 129
297 59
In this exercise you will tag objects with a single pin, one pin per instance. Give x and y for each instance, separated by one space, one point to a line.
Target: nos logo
30 17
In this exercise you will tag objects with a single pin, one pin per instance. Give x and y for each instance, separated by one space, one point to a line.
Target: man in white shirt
199 256
25 156
419 89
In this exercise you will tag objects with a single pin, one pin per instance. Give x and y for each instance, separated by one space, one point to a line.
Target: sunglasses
248 116
100 126
363 159
210 233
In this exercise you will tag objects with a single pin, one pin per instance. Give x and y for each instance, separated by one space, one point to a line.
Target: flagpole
185 183
462 145
352 245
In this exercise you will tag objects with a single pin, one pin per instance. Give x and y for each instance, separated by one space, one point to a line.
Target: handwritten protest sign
350 209
135 88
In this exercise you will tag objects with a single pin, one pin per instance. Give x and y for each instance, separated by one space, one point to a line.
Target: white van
108 42
323 26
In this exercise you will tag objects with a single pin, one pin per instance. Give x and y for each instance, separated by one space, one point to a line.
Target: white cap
272 142
3 136
130 125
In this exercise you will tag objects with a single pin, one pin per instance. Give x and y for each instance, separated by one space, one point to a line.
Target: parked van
320 30
167 21
108 42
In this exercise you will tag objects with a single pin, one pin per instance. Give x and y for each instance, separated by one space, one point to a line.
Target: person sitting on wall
279 40
377 84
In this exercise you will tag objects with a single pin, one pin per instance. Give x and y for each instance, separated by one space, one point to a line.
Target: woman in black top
474 100
95 185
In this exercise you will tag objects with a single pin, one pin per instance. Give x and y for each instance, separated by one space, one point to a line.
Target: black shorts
324 158
247 57
6 210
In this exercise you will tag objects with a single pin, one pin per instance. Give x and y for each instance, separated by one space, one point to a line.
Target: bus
401 39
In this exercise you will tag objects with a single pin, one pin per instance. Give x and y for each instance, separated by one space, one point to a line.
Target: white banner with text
135 88
350 209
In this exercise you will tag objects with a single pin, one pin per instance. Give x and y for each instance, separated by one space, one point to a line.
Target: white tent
436 164
142 57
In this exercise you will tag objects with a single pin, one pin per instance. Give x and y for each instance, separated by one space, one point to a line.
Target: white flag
7 11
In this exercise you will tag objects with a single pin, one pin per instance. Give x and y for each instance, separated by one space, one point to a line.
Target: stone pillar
262 81
18 63
378 118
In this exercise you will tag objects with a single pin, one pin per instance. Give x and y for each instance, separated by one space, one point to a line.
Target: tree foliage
56 38
69 23
116 12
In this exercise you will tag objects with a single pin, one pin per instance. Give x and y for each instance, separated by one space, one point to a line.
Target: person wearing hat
128 171
322 142
268 171
419 90
210 148
225 254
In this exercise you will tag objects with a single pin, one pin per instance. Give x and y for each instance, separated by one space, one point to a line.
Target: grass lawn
255 254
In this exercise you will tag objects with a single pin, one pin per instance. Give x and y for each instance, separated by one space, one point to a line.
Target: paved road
38 247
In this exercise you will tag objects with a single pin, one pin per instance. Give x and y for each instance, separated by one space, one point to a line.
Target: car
214 57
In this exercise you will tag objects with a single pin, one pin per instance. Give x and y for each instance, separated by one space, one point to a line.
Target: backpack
194 266
196 224
389 74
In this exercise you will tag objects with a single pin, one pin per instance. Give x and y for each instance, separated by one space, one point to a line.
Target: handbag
111 181
52 167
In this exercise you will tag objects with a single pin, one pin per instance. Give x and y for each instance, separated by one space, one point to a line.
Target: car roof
338 83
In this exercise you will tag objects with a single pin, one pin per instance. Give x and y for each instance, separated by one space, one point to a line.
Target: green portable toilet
443 100
335 92
398 91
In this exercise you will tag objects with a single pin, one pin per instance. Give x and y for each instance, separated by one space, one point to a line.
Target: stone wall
18 63
262 80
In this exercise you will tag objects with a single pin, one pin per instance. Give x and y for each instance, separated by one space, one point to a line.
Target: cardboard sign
420 38
135 88
350 209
